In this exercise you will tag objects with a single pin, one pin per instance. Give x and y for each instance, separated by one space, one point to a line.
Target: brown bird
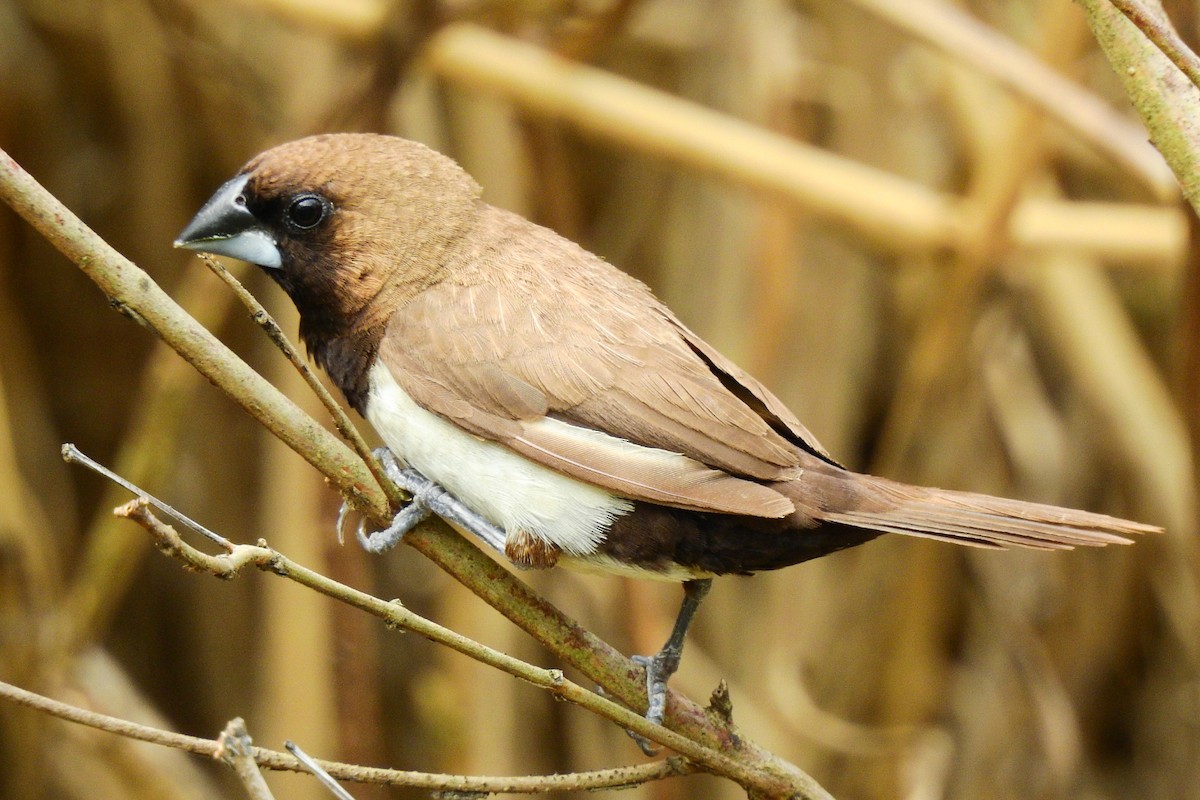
543 400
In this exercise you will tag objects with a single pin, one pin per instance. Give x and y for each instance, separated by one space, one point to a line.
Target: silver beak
225 227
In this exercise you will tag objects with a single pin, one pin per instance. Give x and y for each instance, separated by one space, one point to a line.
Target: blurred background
935 230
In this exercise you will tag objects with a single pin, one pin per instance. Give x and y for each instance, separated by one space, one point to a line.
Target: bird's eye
307 211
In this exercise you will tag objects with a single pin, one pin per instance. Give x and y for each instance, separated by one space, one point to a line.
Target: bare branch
1158 30
72 455
1137 48
275 760
318 772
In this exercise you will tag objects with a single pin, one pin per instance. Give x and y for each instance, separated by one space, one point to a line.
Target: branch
1158 30
321 775
133 293
1163 96
275 760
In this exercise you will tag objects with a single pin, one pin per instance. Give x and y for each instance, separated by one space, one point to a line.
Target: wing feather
602 358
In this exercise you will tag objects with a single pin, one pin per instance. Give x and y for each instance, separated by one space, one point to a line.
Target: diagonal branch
1137 45
1157 28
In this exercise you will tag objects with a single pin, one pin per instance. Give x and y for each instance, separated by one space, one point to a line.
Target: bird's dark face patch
299 217
304 222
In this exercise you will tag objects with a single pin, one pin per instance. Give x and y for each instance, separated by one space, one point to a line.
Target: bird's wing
591 394
758 397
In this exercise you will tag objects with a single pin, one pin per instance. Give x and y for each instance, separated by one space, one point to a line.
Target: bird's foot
428 498
409 517
662 665
659 669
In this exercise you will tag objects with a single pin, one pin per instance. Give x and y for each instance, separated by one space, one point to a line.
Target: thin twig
168 540
341 420
275 760
318 771
109 559
72 455
236 750
1159 31
396 616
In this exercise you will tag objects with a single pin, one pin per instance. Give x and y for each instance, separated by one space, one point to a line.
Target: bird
539 398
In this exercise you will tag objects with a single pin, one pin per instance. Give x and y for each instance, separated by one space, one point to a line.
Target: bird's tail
979 520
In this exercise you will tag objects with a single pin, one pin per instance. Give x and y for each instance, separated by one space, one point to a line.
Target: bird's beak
225 227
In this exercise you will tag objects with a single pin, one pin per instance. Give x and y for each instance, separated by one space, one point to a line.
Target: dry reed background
1028 328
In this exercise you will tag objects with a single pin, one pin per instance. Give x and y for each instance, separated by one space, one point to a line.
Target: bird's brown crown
394 210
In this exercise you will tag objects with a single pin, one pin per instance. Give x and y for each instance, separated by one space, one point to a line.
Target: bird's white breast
508 489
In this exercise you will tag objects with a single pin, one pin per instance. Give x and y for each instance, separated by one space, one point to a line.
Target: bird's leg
427 497
661 666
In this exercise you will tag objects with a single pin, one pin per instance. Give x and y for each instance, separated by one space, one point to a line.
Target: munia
543 400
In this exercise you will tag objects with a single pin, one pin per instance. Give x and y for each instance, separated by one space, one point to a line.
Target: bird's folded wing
618 400
753 393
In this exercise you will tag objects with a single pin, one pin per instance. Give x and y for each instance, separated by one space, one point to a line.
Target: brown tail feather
979 520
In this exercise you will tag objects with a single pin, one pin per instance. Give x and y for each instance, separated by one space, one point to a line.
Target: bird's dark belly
655 538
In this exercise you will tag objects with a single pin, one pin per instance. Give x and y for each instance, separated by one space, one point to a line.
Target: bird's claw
340 525
407 518
428 498
658 670
647 747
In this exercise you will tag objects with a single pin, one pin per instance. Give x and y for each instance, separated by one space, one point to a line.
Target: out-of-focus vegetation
992 286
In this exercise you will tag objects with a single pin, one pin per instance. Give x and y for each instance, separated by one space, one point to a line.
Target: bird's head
347 224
